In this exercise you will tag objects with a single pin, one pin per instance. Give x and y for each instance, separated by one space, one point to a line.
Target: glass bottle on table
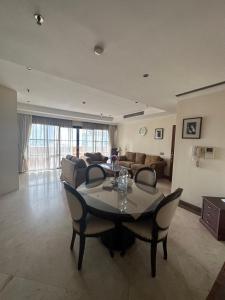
123 179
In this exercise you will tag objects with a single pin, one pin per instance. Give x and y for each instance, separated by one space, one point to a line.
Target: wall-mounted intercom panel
209 152
200 152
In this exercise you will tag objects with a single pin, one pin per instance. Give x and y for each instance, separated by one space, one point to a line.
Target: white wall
209 178
8 141
128 137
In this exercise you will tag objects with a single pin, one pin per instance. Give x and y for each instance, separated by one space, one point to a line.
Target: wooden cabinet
213 216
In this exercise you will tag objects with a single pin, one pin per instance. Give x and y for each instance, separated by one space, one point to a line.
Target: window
43 147
68 141
94 140
48 144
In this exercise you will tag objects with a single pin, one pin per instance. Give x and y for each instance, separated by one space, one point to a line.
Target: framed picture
159 133
192 128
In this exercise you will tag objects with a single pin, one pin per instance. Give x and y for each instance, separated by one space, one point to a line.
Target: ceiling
181 44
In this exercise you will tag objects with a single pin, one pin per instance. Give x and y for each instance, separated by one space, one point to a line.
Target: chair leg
81 251
153 258
111 253
165 248
72 240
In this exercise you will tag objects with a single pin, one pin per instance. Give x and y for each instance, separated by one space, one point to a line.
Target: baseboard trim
190 207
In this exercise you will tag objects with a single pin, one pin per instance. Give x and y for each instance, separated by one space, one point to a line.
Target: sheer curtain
94 140
112 133
48 144
24 128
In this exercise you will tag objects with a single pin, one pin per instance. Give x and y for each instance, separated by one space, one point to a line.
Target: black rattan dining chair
84 224
155 228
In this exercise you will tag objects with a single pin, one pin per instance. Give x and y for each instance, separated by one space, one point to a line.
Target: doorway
172 152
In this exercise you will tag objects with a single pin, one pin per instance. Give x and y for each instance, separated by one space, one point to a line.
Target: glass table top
111 167
105 197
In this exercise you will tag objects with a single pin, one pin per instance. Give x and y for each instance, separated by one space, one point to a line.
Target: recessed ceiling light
83 102
29 68
98 50
145 75
39 19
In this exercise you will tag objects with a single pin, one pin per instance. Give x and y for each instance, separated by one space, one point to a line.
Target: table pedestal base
118 239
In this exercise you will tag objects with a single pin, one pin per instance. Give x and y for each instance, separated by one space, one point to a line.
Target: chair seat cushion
144 229
126 163
94 225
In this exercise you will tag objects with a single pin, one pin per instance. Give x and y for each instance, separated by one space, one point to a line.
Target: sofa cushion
131 156
137 166
150 159
80 163
94 156
126 163
69 156
140 158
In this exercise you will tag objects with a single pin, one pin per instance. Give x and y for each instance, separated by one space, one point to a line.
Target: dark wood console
213 216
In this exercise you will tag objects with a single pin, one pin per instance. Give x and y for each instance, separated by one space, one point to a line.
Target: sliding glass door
48 144
94 140
68 141
43 147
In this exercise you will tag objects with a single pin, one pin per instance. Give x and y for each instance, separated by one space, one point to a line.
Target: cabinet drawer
210 214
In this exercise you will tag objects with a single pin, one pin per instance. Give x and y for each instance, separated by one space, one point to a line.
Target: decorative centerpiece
114 159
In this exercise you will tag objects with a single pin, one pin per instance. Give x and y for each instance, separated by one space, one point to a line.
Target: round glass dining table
105 200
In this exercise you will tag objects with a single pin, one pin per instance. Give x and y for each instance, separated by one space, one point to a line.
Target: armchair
73 170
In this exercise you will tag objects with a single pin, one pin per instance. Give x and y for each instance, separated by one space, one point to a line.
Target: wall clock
143 131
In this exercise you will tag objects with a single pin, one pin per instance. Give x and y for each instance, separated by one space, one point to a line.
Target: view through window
94 140
48 144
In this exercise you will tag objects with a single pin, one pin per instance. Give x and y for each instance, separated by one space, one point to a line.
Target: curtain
112 133
24 129
51 121
87 125
48 144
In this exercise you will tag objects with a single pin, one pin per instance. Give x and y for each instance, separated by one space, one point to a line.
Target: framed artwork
159 133
192 128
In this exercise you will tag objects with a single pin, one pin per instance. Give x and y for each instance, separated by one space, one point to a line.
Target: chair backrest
95 172
146 176
165 210
76 204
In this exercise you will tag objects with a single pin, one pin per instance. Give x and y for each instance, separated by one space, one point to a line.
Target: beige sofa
73 170
94 158
135 161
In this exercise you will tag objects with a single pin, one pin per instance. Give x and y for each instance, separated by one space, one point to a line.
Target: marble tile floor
36 263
